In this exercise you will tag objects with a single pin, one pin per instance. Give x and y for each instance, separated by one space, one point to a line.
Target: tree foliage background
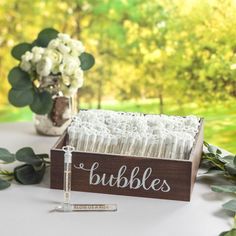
167 56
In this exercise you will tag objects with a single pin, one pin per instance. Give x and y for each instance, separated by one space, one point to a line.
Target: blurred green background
168 56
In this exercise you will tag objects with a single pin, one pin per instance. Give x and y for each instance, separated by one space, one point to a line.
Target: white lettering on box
121 181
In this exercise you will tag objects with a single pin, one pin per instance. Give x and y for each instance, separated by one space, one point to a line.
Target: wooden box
131 176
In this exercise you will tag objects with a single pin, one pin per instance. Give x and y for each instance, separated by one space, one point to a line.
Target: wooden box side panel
132 176
196 154
60 142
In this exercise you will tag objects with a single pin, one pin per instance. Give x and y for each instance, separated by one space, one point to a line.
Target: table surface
25 210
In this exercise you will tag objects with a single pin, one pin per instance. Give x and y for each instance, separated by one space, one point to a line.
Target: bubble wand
66 206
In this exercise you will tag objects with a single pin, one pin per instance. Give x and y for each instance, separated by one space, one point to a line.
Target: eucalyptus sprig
225 165
31 172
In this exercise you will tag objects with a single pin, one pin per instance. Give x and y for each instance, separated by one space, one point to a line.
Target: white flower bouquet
52 64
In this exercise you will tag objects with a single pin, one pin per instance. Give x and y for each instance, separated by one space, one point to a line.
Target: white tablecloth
25 210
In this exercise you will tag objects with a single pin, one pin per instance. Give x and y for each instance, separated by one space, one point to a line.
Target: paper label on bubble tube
94 207
86 207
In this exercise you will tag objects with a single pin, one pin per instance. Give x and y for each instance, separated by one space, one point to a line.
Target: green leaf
20 98
42 156
227 159
19 79
224 188
214 160
45 36
210 155
26 174
214 170
218 151
28 156
230 205
4 184
231 232
34 43
20 49
6 156
206 144
235 160
42 103
231 169
212 149
87 61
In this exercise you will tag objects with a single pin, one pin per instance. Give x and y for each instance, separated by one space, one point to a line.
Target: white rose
27 56
78 73
54 55
55 70
65 80
76 47
63 48
44 66
25 66
36 58
37 54
77 79
64 37
54 43
38 50
69 65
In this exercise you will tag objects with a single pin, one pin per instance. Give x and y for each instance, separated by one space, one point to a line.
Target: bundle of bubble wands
133 134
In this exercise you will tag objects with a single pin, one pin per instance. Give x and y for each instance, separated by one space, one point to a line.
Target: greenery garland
224 166
31 172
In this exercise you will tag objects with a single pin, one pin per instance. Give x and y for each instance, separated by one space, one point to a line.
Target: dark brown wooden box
153 178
